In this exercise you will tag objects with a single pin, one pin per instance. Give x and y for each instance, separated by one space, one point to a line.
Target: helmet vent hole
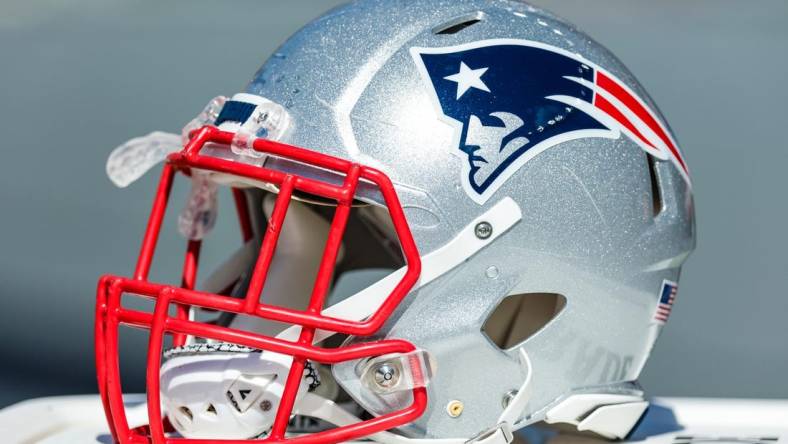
457 24
519 317
211 409
656 194
186 412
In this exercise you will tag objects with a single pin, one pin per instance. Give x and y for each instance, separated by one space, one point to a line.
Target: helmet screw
508 397
455 408
483 230
386 375
266 405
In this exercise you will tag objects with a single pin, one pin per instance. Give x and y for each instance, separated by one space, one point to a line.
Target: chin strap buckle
500 434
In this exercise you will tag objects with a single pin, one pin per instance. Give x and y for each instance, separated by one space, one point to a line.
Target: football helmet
459 218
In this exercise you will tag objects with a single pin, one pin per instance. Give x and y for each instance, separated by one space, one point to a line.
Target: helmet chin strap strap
513 411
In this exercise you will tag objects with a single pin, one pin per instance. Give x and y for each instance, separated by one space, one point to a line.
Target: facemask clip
268 121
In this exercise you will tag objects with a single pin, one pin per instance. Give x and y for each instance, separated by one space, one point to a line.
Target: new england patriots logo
510 100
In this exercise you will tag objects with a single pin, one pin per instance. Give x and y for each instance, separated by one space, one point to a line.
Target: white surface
732 417
613 421
80 419
575 406
61 420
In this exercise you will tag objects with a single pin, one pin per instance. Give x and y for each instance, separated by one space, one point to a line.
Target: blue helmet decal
510 100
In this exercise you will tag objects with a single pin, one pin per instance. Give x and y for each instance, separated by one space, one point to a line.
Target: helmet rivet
386 375
266 405
508 397
492 272
455 408
483 230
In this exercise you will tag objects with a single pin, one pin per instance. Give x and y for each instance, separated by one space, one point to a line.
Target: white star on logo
468 78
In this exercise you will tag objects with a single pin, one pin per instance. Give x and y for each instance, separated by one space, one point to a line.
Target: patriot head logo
510 100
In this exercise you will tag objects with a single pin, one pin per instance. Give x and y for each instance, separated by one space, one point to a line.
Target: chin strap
502 433
516 406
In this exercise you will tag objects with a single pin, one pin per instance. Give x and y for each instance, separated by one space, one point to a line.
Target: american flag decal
666 298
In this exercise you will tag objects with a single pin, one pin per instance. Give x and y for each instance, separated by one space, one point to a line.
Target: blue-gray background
79 77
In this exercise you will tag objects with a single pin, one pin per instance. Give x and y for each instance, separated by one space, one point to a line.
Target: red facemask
112 290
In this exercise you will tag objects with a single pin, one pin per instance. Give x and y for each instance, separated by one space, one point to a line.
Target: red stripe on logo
607 107
644 114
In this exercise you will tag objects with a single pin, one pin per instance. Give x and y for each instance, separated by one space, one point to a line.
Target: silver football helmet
513 216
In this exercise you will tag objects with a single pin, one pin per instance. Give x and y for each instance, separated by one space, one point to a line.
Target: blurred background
77 78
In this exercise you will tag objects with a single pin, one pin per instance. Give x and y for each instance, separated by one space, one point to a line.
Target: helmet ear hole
520 316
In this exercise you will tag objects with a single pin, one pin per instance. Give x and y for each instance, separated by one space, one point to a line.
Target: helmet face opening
171 317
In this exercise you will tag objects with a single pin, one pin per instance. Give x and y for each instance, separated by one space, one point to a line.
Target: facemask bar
110 314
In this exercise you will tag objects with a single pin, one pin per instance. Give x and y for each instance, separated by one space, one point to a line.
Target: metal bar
188 281
270 240
154 223
152 382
